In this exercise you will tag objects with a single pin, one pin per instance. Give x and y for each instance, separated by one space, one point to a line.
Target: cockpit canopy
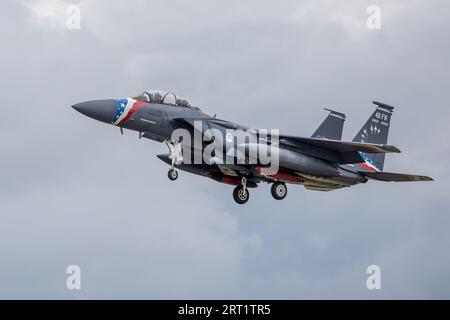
163 97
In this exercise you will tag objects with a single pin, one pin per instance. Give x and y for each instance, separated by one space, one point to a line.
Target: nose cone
101 110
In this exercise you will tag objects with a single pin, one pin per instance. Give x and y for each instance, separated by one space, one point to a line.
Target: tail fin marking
375 130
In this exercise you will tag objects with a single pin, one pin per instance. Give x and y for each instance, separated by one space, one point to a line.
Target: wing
333 150
199 124
208 122
342 146
396 177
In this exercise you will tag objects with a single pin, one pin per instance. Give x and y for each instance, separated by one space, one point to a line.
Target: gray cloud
74 191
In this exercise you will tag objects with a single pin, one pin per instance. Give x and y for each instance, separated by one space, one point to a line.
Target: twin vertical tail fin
375 130
332 127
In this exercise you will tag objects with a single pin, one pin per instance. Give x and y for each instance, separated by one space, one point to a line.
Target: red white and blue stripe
367 164
125 109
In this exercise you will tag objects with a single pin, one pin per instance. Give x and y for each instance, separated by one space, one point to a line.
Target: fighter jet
208 146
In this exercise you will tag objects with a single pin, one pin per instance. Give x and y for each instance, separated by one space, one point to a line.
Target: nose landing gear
176 155
172 174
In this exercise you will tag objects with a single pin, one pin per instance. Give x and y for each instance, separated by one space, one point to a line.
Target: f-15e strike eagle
322 162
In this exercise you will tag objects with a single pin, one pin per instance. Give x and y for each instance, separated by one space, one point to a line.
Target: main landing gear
279 190
240 193
176 155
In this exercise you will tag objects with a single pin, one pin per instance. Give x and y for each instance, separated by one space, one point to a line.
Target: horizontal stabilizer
396 177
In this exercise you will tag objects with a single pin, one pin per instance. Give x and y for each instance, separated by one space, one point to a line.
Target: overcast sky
74 191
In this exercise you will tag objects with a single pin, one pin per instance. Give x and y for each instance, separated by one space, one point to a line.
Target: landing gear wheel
279 190
241 194
172 174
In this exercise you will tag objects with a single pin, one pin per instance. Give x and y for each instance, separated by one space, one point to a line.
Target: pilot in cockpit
151 97
168 98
